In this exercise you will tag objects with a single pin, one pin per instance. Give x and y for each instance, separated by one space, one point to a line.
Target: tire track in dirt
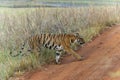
102 61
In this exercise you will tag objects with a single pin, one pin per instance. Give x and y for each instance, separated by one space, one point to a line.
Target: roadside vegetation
16 24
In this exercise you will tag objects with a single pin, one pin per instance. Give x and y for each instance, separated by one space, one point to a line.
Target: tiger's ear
77 34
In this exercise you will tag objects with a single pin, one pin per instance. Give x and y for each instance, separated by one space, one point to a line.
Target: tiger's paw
81 58
58 63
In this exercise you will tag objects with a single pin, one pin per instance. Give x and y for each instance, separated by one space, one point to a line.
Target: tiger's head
77 39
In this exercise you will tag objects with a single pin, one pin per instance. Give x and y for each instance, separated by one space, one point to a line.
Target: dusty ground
102 61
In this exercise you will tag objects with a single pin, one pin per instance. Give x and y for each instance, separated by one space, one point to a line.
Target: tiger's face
77 39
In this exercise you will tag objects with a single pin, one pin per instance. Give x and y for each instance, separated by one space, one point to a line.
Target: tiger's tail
18 52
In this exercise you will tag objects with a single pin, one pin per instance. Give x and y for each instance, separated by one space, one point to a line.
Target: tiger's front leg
77 56
57 58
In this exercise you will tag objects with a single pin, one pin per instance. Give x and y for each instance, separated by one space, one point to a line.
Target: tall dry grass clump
18 24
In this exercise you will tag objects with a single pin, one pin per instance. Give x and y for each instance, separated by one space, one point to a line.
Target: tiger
57 42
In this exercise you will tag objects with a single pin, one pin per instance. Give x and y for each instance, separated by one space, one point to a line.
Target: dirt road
102 61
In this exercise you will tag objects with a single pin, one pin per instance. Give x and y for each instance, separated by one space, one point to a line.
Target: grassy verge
17 24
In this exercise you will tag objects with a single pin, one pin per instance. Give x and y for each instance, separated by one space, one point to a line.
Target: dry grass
17 24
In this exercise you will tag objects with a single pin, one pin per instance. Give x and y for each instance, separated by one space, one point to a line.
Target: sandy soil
102 61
